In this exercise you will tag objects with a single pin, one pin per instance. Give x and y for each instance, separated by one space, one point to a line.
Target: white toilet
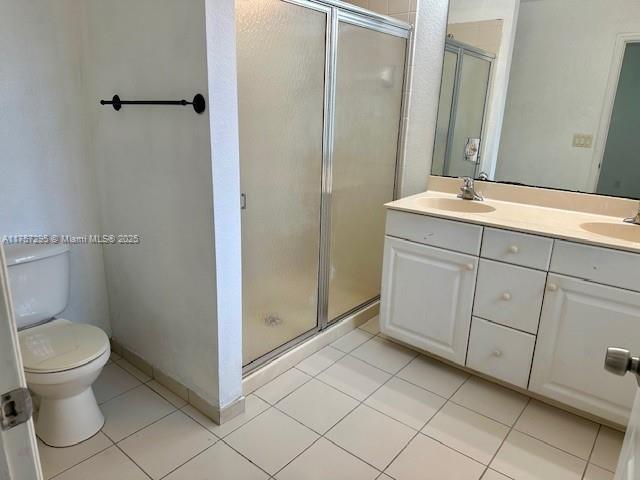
61 359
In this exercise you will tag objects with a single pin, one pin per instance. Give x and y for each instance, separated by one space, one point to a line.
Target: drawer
437 232
517 248
500 352
509 295
597 264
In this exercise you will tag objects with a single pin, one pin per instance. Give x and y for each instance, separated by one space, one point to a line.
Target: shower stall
464 90
320 87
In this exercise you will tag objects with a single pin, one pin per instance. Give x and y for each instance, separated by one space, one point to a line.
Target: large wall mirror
543 93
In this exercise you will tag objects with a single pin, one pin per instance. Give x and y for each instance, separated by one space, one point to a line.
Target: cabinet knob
506 296
496 353
513 249
469 266
552 287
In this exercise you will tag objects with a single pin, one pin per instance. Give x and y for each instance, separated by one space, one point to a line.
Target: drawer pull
552 287
506 296
497 353
469 266
513 249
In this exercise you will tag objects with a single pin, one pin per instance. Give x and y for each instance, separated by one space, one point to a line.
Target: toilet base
63 422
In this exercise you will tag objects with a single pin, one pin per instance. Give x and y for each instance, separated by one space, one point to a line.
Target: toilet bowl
61 361
61 358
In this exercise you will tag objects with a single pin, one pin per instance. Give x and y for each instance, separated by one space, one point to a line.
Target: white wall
47 182
154 166
461 11
561 62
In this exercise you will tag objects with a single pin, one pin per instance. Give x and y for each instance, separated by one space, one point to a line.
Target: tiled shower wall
404 10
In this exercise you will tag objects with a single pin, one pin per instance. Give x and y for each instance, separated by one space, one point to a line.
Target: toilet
61 359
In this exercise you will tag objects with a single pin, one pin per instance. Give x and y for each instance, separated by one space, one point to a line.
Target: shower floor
361 408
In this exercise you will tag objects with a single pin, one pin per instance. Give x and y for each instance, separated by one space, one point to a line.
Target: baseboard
219 414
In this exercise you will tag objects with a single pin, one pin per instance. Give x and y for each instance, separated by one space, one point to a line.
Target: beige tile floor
363 408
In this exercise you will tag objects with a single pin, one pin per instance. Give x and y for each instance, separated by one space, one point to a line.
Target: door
18 450
629 460
427 296
579 321
281 100
368 99
619 174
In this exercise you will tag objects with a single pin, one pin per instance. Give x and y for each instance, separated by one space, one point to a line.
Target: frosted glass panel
369 84
444 112
472 94
281 59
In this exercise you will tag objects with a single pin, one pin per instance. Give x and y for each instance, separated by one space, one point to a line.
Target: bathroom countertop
535 219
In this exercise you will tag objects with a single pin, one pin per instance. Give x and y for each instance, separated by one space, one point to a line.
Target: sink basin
622 231
455 205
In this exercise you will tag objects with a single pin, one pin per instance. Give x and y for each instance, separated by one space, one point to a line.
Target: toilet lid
61 345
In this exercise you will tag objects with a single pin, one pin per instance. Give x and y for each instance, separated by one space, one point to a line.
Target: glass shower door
368 99
281 89
445 106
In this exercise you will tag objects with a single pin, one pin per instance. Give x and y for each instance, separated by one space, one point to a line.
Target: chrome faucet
635 219
468 191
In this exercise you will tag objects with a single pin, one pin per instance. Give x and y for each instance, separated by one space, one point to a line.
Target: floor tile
354 377
108 465
253 406
271 440
282 386
607 448
165 445
494 401
596 473
384 476
372 326
139 374
113 381
493 475
167 394
426 459
320 360
556 427
323 460
371 436
317 405
384 354
219 462
467 432
351 340
132 411
405 402
56 460
525 458
433 375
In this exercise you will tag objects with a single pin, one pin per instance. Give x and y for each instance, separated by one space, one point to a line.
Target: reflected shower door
369 83
445 106
281 65
469 113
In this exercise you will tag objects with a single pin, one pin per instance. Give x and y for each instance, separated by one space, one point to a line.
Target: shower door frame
461 49
337 12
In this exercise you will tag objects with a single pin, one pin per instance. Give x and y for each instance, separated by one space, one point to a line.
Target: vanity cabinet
528 310
428 297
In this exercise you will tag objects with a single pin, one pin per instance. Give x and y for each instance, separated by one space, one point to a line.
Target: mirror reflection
543 93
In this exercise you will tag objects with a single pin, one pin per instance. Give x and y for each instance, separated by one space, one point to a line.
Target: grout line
83 460
504 440
133 461
593 447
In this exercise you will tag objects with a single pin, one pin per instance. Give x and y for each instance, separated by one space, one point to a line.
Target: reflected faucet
635 219
468 191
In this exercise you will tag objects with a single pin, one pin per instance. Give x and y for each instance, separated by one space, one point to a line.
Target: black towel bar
198 102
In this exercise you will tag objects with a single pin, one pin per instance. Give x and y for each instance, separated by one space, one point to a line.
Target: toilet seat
61 345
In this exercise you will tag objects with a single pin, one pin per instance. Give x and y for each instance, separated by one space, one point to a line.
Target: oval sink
455 205
621 231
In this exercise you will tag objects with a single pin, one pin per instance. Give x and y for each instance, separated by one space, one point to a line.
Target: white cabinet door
579 321
427 296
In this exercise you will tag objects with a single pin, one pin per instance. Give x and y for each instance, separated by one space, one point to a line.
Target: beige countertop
579 226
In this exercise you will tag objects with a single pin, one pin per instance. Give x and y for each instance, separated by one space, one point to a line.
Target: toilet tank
38 280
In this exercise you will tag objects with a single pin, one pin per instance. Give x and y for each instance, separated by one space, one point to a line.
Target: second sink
621 231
